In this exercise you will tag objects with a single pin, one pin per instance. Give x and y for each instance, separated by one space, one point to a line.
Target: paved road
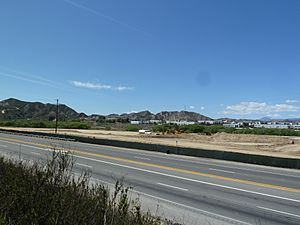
187 189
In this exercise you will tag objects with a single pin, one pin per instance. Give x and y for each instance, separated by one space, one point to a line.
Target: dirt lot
253 144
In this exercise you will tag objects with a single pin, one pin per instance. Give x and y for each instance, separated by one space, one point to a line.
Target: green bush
266 131
164 128
212 129
51 195
132 128
72 124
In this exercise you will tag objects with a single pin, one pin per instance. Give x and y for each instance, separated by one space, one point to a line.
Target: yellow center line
160 166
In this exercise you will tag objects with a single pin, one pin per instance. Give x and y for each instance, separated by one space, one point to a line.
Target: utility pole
56 119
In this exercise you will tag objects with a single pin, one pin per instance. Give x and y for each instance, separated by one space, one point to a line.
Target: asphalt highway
187 189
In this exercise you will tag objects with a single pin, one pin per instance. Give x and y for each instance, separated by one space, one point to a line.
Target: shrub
46 124
132 128
212 129
51 195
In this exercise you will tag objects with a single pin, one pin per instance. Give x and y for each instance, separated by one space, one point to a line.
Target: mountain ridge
12 109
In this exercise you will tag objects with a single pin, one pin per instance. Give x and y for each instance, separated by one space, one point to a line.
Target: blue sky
221 58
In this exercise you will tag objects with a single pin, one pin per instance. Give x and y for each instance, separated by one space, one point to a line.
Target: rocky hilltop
182 115
12 109
165 115
143 115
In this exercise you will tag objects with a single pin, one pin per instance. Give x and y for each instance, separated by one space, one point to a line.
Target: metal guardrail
37 135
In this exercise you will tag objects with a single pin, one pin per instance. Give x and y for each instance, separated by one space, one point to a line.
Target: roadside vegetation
213 129
116 125
69 124
50 194
123 125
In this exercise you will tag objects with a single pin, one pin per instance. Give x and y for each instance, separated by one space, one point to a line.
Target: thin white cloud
291 101
123 88
248 108
202 108
29 77
109 18
21 78
99 86
192 107
24 75
90 85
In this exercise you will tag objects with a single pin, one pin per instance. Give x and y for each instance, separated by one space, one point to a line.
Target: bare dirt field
279 146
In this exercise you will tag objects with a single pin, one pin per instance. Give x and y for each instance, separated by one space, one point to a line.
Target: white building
136 122
209 122
155 121
180 122
272 125
295 126
232 125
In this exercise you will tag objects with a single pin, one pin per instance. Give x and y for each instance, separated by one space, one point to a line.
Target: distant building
155 121
140 122
295 126
180 122
136 122
272 125
232 125
207 122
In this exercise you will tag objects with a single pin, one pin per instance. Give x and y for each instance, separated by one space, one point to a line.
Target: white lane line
174 176
188 179
176 158
225 171
203 212
29 146
224 166
84 165
35 153
273 210
137 157
170 186
200 211
180 158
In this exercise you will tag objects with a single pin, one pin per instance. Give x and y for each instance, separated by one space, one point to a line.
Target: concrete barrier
214 154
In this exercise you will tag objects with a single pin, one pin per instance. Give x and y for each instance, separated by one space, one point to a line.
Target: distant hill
174 115
182 115
11 109
265 119
143 115
293 119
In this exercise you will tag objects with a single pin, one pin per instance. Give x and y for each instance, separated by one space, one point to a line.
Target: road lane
204 192
241 167
180 168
